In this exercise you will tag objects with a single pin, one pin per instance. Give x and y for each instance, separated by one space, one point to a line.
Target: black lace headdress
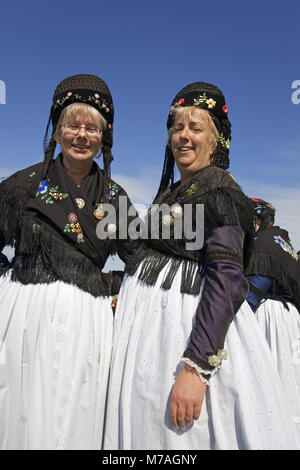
81 88
205 96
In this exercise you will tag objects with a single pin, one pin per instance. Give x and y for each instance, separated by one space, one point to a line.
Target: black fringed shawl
274 256
228 235
54 238
224 204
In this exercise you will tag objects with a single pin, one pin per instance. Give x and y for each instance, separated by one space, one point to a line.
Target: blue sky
146 52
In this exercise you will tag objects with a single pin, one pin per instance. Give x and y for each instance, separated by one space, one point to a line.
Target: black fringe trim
191 278
167 283
152 262
42 258
8 215
223 206
266 264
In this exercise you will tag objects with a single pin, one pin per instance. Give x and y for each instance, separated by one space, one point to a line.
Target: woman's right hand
186 397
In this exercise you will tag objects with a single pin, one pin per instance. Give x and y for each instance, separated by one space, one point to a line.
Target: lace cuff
203 374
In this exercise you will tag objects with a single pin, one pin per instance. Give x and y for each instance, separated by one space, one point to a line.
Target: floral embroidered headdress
88 89
81 88
84 88
209 97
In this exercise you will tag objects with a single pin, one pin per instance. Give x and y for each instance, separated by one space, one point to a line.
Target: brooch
99 212
215 360
80 202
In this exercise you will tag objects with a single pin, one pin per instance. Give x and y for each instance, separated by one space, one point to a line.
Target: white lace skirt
281 328
55 348
245 404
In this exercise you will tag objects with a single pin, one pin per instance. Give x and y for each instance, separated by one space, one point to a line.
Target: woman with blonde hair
56 319
190 366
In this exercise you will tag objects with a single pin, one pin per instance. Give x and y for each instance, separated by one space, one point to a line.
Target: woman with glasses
55 306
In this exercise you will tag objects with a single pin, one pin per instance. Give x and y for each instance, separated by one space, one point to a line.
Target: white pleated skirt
281 328
55 349
245 405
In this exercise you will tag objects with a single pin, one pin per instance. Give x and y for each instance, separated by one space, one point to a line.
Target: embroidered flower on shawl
112 191
53 193
286 246
42 188
192 189
72 217
50 195
74 227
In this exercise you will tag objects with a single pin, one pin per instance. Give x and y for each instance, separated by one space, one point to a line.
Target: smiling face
193 140
81 147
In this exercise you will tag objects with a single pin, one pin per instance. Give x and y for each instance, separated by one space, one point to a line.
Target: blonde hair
71 112
186 112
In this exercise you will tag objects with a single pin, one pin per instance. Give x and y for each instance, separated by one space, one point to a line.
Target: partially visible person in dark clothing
272 272
274 296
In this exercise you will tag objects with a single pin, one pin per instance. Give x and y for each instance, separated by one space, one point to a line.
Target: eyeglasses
74 129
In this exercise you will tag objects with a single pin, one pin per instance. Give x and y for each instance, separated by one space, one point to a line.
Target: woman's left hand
186 397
